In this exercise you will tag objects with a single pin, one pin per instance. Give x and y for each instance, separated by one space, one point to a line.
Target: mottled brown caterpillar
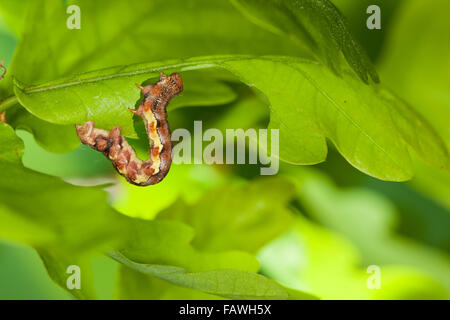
153 111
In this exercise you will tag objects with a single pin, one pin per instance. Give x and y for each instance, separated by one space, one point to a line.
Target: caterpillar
153 111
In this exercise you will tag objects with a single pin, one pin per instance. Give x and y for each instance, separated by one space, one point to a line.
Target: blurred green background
344 220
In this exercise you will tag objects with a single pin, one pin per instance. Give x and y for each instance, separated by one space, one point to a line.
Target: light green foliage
238 218
320 261
421 32
161 249
185 183
12 12
244 218
369 221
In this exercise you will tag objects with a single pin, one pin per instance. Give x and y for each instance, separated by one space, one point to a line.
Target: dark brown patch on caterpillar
153 111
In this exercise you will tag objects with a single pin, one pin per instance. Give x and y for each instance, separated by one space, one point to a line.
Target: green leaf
370 127
168 243
162 249
234 284
237 217
12 146
135 285
315 24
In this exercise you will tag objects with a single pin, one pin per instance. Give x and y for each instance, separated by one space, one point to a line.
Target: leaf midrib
196 64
